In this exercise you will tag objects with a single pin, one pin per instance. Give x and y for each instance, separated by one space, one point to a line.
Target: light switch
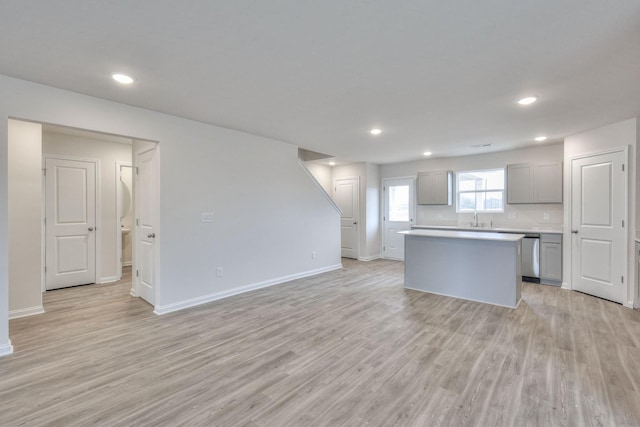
206 217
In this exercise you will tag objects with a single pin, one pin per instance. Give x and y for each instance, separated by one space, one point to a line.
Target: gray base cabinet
551 259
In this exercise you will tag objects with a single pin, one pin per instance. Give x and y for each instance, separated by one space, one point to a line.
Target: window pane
481 180
493 201
467 202
466 183
399 203
494 179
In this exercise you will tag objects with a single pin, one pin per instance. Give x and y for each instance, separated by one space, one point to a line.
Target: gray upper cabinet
520 183
534 183
435 188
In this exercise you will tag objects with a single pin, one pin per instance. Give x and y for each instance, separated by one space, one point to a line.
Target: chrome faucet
475 220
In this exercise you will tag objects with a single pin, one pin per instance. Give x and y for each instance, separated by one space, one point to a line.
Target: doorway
125 218
598 224
398 214
114 226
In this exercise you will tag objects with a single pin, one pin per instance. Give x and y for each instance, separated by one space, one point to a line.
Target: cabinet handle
574 231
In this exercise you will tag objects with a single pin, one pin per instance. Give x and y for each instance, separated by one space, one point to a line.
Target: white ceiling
434 75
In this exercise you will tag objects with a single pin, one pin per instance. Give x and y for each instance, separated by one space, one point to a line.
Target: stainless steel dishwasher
531 258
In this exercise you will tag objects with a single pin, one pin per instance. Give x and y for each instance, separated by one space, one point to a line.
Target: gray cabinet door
550 258
547 183
519 183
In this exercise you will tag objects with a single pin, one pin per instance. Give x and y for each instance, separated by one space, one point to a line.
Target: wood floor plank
349 347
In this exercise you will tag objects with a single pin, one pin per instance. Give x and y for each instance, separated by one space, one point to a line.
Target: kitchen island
482 267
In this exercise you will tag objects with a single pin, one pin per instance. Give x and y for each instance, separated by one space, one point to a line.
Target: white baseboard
133 293
368 258
6 349
109 279
164 309
24 312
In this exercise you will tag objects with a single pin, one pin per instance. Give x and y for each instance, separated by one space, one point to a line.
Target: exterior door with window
398 215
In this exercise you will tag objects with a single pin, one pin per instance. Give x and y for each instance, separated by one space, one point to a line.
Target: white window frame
488 190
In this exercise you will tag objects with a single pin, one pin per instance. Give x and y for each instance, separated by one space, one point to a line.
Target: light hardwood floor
346 348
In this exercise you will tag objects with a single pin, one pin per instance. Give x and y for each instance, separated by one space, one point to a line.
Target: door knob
90 228
574 231
151 235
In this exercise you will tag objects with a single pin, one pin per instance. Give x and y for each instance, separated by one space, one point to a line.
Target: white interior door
598 234
347 195
145 231
398 215
70 223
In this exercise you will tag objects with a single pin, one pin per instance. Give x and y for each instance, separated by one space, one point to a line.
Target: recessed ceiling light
540 138
332 163
122 78
426 153
376 131
527 100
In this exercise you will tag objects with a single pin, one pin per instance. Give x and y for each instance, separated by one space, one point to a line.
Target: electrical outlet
219 272
513 215
313 255
546 215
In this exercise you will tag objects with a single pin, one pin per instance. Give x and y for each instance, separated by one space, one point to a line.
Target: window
480 191
399 203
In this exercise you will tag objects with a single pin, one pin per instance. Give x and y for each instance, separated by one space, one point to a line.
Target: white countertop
541 230
469 235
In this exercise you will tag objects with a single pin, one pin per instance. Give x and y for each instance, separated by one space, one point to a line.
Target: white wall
25 222
108 153
527 215
5 343
269 214
323 174
616 135
372 214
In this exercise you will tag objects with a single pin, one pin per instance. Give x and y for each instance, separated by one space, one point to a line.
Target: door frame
569 236
98 228
119 165
413 210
